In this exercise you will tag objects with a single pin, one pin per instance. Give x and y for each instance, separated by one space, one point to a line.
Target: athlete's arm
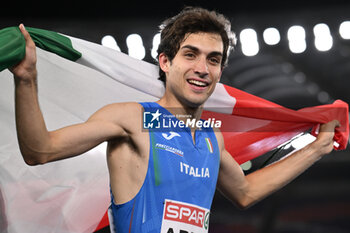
247 190
37 144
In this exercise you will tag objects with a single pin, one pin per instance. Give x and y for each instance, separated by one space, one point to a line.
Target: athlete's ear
164 62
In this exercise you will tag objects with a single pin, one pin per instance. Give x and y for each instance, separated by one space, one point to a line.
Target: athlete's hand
26 69
324 140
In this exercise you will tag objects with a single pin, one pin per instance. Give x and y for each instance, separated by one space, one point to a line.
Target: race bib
181 217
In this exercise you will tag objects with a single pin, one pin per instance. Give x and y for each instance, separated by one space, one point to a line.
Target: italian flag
209 145
76 78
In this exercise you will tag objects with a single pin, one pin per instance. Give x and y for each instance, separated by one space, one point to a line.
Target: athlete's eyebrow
195 49
190 47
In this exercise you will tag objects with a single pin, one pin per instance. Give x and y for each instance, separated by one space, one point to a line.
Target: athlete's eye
214 60
190 55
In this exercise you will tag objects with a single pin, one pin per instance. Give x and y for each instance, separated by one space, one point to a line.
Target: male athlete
162 181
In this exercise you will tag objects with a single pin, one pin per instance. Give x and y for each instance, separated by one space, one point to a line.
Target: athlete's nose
201 67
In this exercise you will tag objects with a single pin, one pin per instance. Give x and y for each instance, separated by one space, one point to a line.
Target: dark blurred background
316 73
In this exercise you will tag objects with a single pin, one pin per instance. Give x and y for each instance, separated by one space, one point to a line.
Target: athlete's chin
196 101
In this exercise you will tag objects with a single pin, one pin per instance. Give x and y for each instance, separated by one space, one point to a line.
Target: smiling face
195 70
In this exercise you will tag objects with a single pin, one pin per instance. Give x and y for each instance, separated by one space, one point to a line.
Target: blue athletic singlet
180 183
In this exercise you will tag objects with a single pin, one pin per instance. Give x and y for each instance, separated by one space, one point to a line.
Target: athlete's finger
330 126
26 34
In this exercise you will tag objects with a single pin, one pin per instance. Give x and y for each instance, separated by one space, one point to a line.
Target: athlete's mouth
197 83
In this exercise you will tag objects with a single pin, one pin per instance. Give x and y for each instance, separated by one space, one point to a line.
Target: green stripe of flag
12 45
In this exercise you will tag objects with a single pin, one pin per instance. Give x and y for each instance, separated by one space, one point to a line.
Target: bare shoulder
220 140
123 108
229 168
226 158
127 115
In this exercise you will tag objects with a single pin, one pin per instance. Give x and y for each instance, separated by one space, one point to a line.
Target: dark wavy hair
193 20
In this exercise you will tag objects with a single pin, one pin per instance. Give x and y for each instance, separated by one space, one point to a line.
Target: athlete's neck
181 110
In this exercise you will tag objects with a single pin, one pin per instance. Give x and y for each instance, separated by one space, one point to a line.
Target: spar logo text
186 213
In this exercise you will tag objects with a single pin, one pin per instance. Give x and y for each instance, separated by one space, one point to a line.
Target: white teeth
198 83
